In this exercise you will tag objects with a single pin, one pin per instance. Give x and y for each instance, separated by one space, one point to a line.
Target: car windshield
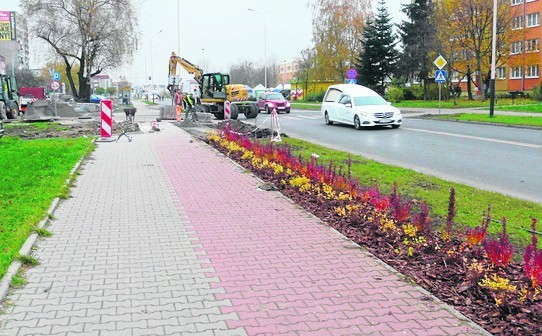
369 100
274 96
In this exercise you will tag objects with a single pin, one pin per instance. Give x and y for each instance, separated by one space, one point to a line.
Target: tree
25 78
472 24
378 57
245 72
418 39
337 26
92 35
111 90
99 90
306 67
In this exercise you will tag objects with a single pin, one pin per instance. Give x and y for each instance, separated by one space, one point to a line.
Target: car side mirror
348 105
389 103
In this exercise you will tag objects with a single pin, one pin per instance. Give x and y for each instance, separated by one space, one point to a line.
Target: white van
360 106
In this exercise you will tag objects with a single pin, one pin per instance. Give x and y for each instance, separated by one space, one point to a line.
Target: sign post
227 110
351 76
440 76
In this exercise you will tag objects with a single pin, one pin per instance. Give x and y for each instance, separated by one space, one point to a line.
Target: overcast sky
214 34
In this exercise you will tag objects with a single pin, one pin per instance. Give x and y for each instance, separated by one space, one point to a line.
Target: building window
516 72
516 2
501 73
532 45
532 71
533 19
517 22
516 47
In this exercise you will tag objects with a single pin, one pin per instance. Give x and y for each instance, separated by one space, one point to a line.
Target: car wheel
268 109
288 111
14 112
357 123
395 126
326 117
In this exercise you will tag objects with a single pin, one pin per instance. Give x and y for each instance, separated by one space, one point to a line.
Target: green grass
497 119
533 108
305 106
36 126
33 173
471 202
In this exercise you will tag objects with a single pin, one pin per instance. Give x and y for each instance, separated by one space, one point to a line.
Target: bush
536 93
395 94
414 92
315 97
432 92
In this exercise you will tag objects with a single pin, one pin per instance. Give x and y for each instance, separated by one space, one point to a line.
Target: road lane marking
515 143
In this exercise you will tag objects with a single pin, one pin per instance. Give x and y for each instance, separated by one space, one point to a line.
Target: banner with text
7 26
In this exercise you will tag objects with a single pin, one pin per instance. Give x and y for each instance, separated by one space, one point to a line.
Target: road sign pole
439 96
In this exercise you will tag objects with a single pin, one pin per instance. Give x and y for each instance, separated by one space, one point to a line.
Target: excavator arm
188 66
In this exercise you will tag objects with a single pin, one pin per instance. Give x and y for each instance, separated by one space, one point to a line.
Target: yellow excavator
215 90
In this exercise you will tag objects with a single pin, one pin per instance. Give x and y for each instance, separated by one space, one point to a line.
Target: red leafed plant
533 259
476 235
499 251
447 234
401 212
422 221
373 197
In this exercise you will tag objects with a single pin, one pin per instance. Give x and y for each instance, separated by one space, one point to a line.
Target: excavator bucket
39 111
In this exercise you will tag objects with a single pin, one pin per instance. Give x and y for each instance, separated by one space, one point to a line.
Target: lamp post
493 60
150 52
264 45
203 58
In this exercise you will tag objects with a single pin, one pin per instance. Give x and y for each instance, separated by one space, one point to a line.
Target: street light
150 52
203 58
493 60
264 44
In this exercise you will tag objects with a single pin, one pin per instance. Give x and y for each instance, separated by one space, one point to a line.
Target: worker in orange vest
178 105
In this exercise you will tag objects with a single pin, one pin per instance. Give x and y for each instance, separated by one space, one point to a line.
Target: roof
354 89
101 77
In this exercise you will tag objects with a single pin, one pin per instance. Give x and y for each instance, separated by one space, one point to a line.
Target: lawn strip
497 119
34 172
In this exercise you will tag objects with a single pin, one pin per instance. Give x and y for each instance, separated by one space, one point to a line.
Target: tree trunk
480 79
469 83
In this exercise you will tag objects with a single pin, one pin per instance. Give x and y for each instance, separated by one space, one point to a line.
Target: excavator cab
214 85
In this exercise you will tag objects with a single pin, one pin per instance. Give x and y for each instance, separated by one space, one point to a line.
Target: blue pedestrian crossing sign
440 76
351 81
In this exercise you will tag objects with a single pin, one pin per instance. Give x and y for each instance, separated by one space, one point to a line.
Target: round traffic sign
55 85
352 73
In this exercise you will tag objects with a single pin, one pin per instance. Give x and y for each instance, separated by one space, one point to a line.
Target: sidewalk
165 236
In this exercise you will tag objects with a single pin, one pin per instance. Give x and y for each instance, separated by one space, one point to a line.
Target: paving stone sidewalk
165 236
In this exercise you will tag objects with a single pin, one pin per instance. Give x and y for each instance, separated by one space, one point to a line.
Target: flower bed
467 269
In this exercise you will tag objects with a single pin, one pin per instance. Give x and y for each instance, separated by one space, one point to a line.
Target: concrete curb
16 265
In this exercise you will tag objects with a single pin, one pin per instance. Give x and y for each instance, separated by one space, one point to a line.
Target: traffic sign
440 76
56 76
54 85
352 81
352 73
440 62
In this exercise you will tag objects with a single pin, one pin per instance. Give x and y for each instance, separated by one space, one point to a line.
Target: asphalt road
502 159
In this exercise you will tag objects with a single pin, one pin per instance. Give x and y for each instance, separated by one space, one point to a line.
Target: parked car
267 101
96 99
360 106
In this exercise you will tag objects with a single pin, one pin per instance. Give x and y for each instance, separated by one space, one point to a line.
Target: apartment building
522 71
14 40
287 70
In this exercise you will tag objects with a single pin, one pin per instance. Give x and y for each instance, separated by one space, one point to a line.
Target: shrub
499 251
537 93
413 93
395 94
315 97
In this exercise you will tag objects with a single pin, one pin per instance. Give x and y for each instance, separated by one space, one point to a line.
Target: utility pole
493 60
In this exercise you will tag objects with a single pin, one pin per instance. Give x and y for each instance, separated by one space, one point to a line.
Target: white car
360 106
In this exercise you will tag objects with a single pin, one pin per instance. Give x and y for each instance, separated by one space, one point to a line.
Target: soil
56 130
443 267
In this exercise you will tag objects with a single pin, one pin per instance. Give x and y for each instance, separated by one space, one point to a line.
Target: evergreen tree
418 39
378 59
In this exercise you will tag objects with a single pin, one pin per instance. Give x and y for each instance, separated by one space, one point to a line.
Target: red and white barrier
227 110
106 124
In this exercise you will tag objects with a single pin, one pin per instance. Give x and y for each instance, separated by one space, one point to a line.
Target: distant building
103 81
14 40
288 70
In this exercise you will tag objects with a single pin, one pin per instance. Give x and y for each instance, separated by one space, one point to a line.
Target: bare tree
93 35
306 66
337 26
